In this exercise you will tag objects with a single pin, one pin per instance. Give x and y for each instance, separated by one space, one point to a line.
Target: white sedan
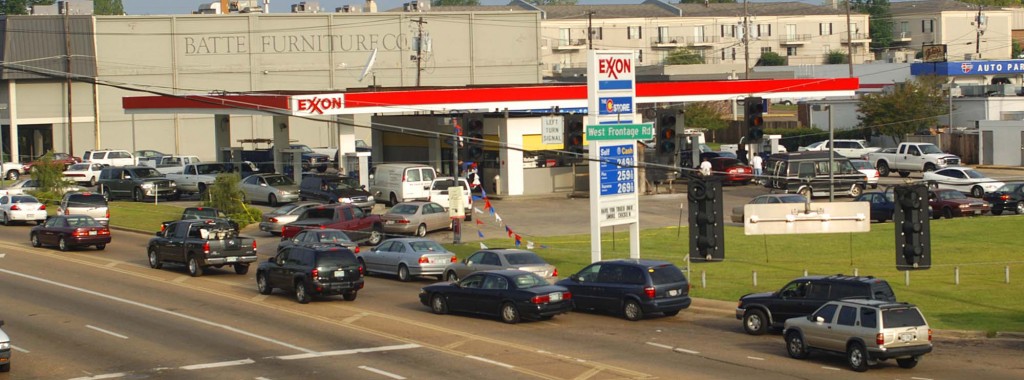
21 208
84 173
962 179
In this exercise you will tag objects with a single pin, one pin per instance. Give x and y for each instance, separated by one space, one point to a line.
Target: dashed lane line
348 352
103 376
754 358
19 349
485 360
685 351
831 368
659 345
217 365
381 372
108 332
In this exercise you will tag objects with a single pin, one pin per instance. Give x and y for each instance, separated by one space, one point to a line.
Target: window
795 290
825 312
791 51
597 33
589 274
904 28
663 34
847 316
818 291
640 55
473 282
764 30
490 259
495 282
346 213
563 36
251 180
476 257
412 175
385 246
927 26
868 317
825 29
766 49
634 32
894 318
733 54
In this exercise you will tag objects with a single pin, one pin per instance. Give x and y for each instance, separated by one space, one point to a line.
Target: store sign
281 44
1015 66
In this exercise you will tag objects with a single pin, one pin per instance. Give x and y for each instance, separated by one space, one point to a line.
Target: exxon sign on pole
611 136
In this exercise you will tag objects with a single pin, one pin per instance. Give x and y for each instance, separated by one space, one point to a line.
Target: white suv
110 157
439 193
867 331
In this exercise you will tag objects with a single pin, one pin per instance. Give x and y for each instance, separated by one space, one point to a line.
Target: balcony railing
571 44
901 37
794 39
857 38
702 40
668 42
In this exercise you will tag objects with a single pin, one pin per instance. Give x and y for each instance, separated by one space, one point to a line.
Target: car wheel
977 192
137 195
154 261
262 284
874 185
349 295
509 313
451 276
92 181
856 190
375 236
857 356
671 313
5 367
35 240
62 244
421 231
947 212
403 273
935 215
300 292
881 219
806 192
202 191
241 268
632 311
883 169
755 322
101 247
272 200
393 199
908 363
904 174
102 190
194 269
795 345
929 167
4 220
1020 208
438 304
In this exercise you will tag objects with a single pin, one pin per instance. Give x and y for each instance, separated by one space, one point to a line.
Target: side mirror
362 187
575 277
263 185
819 319
271 260
469 262
159 233
279 262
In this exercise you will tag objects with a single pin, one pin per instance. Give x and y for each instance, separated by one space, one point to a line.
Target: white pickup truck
845 148
196 178
911 157
170 164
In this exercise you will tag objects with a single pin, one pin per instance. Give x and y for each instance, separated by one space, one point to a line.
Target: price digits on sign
625 175
625 188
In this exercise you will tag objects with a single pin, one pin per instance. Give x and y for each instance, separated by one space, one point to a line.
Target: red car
69 231
731 170
951 203
63 159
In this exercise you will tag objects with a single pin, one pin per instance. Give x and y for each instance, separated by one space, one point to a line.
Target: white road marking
2 255
19 349
217 365
258 298
159 310
261 378
348 352
104 376
379 372
353 318
754 358
112 264
180 279
831 368
683 350
659 345
106 331
920 378
490 361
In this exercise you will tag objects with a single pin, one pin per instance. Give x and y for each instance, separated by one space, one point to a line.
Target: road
105 314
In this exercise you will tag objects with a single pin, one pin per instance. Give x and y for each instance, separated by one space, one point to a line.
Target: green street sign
620 132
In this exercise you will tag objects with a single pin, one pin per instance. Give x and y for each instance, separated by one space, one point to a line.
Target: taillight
15 207
67 212
566 296
77 232
43 207
108 213
649 291
880 339
403 221
455 259
206 247
273 220
540 299
316 273
424 260
163 227
554 273
929 335
254 245
105 231
361 270
1005 197
357 249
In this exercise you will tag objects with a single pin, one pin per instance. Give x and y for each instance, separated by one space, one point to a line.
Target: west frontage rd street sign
620 132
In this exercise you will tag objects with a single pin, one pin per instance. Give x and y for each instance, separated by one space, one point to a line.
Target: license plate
555 297
389 222
31 216
438 261
977 212
673 292
907 337
232 259
92 233
339 274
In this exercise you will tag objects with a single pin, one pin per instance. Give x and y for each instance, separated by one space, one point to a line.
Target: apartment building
969 32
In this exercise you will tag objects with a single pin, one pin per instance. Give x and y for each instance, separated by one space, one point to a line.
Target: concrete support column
222 137
511 161
12 109
281 142
434 153
346 139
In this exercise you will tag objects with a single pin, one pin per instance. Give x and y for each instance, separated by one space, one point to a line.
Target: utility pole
67 61
419 49
590 30
849 41
746 41
980 26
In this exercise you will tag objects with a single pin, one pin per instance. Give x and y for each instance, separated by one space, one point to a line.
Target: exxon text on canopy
614 73
326 104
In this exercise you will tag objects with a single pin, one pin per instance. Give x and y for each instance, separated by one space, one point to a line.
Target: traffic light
707 224
574 134
753 116
666 139
913 238
474 133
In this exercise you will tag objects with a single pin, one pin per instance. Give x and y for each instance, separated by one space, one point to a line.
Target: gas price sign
618 175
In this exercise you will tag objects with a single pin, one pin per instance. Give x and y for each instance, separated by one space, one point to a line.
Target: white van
110 157
396 183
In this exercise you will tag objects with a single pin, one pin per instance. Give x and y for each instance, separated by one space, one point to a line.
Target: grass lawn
981 247
141 216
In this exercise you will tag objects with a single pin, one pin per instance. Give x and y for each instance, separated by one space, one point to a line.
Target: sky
142 7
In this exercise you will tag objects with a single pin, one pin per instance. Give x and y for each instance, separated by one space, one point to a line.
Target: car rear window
426 246
81 200
882 291
336 258
528 280
317 213
443 184
666 274
901 317
404 209
524 258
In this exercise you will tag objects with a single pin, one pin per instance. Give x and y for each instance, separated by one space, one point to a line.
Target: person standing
756 163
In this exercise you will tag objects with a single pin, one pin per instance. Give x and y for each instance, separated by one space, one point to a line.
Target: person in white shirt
756 164
705 168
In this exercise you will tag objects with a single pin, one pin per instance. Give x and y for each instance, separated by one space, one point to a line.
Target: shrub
226 195
50 175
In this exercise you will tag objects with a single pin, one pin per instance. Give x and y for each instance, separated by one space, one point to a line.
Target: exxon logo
319 105
612 67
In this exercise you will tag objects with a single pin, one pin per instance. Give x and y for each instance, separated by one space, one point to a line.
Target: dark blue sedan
512 295
1009 197
882 206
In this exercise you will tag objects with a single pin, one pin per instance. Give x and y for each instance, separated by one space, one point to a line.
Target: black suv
320 270
137 182
328 188
633 287
803 296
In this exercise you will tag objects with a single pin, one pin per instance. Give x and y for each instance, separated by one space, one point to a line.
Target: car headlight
174 184
5 345
147 186
965 206
345 200
369 198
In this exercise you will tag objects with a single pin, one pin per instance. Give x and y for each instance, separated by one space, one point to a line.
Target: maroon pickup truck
358 225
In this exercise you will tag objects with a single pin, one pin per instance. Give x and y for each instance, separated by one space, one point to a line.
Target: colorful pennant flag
482 246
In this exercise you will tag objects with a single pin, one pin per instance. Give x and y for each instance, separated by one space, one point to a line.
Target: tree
771 59
108 7
456 3
226 195
683 56
1015 49
709 115
20 7
50 176
881 20
910 107
835 57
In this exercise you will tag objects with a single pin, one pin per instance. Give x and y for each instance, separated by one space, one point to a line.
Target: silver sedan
273 221
271 188
417 218
501 258
407 257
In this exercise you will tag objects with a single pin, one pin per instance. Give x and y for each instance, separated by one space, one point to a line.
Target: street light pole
831 158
